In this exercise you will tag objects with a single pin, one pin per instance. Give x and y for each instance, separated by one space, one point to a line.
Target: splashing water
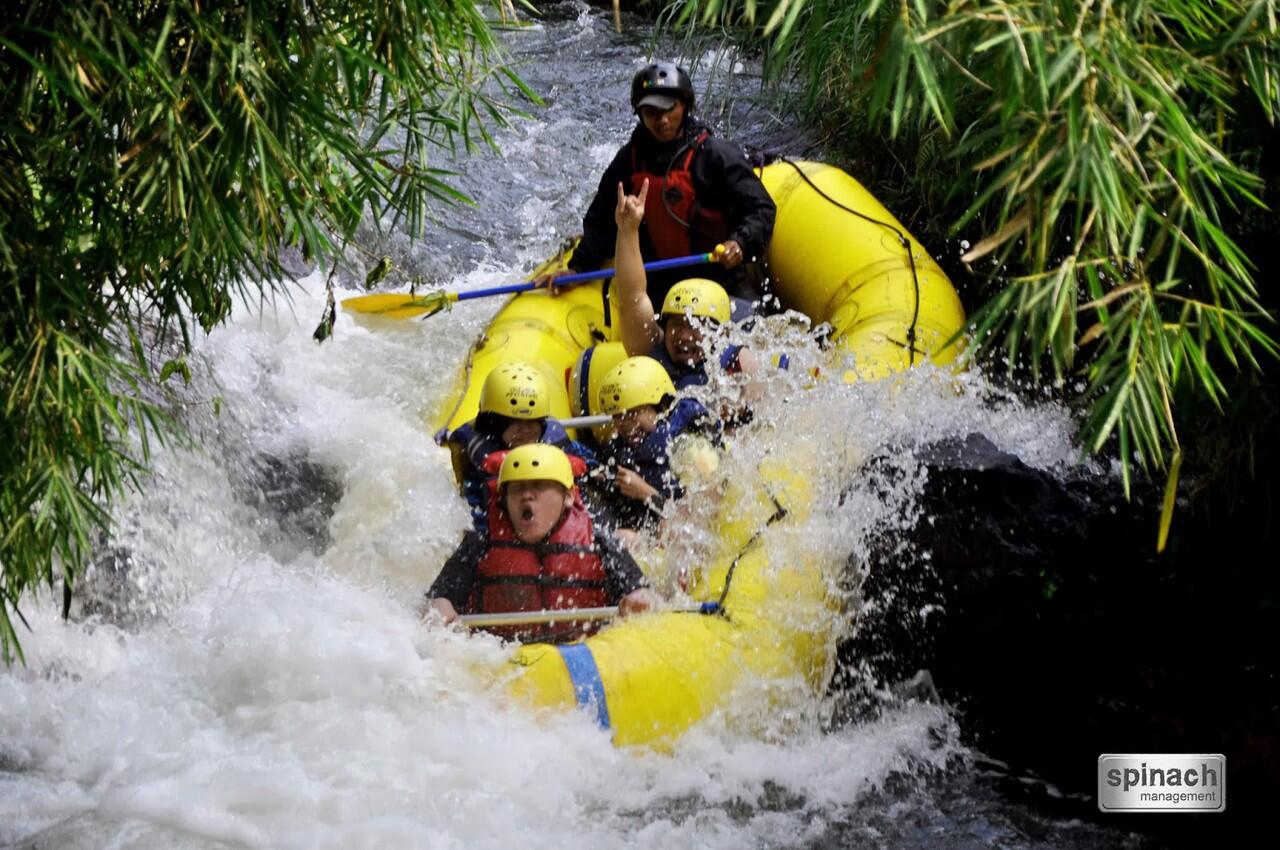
240 673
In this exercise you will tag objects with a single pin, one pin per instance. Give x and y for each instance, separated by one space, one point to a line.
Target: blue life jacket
684 376
650 459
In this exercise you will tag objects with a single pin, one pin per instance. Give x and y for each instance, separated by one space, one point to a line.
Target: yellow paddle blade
399 305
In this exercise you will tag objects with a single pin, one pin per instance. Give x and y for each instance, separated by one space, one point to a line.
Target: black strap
692 148
778 513
695 218
584 373
541 549
518 545
910 344
507 580
542 580
696 209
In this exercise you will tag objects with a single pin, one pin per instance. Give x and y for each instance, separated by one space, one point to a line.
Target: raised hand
630 209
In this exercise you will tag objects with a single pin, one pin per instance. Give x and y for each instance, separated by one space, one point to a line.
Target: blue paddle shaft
599 274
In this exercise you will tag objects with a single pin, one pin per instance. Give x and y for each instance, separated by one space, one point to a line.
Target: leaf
1170 498
1010 229
324 330
378 273
176 365
1095 330
1118 292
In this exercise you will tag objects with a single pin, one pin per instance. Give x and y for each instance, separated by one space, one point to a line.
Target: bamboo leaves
155 159
1098 154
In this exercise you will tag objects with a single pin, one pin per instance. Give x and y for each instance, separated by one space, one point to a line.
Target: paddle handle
529 618
585 421
598 274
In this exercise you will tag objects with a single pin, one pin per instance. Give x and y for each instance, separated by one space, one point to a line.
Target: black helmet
659 83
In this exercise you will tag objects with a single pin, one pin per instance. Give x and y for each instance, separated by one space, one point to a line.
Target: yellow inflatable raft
839 257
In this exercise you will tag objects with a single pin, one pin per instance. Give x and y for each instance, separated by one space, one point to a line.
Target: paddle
585 421
402 305
528 618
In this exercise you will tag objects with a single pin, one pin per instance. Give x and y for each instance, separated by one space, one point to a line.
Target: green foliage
155 159
1097 146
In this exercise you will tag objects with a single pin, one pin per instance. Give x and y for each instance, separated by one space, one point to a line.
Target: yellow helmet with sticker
698 297
634 382
517 390
536 462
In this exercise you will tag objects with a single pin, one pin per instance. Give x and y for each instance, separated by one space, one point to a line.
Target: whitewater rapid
246 675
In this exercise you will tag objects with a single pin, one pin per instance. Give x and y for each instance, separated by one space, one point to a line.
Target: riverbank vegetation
1097 166
156 160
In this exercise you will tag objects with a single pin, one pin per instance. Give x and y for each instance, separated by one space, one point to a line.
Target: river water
244 667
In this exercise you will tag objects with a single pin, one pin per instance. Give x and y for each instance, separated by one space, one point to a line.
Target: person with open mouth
540 551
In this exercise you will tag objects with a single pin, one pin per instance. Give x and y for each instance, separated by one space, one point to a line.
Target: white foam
269 695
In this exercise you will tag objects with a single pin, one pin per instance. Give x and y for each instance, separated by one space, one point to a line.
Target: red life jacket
677 224
563 571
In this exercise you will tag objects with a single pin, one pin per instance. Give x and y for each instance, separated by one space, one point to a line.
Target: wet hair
664 404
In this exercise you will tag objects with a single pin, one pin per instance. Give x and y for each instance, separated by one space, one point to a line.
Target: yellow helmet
633 382
587 376
536 462
517 390
697 296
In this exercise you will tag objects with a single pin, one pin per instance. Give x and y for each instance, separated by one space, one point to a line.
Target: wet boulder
1041 608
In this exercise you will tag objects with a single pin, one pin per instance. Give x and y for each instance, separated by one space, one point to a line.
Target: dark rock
1047 618
297 493
107 589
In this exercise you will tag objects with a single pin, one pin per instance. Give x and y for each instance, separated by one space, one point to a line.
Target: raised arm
640 333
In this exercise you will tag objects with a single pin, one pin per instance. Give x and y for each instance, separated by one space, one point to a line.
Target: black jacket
722 179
